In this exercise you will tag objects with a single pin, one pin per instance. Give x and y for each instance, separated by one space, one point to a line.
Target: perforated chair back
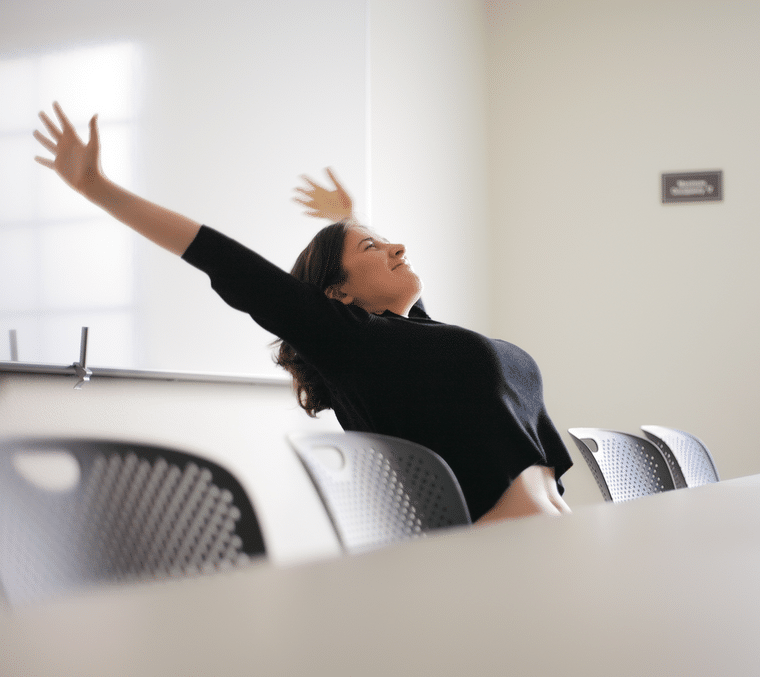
624 466
379 489
693 462
131 511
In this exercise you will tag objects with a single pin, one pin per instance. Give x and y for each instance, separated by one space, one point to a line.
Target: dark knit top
476 401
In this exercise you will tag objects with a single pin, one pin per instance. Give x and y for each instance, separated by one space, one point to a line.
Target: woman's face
379 277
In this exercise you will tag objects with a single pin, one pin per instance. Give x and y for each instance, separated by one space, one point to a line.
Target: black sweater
476 401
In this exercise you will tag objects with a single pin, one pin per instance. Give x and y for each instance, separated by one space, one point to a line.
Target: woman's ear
338 294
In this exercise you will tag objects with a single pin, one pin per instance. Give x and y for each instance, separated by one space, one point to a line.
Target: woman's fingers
309 181
335 181
54 131
45 141
65 122
94 133
324 202
66 126
45 161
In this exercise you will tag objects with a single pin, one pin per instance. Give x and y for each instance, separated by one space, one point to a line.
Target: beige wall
428 148
637 312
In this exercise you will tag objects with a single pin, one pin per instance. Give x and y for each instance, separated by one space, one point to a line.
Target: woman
357 339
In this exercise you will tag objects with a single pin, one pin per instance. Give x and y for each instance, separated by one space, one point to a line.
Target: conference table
663 585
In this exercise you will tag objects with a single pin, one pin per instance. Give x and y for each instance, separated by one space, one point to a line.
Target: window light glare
63 265
91 80
19 77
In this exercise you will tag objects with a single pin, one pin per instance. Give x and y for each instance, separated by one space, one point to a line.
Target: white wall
429 149
637 312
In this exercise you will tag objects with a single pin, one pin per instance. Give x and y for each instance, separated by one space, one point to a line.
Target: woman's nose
398 250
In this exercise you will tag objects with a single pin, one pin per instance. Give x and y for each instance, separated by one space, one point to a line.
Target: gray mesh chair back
691 462
379 489
133 511
624 466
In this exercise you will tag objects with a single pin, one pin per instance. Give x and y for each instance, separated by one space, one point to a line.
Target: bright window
63 263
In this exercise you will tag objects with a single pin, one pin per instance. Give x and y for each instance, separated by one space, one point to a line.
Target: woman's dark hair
319 264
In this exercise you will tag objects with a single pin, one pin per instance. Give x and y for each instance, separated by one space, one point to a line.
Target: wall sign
692 187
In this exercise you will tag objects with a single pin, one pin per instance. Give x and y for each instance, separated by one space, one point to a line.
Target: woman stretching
356 339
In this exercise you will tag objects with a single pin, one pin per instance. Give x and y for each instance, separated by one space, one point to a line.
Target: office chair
379 489
624 466
691 462
130 511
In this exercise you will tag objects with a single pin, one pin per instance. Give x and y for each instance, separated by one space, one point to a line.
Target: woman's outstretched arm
79 166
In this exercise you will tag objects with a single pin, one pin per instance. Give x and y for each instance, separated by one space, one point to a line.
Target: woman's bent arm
79 166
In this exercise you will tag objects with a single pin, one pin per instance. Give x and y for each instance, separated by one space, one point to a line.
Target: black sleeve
317 327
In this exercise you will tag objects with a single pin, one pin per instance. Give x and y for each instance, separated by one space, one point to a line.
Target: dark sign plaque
692 187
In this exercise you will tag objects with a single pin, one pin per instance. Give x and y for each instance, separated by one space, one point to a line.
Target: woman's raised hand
76 163
79 166
323 203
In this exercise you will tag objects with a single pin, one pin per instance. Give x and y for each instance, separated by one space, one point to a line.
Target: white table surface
664 585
